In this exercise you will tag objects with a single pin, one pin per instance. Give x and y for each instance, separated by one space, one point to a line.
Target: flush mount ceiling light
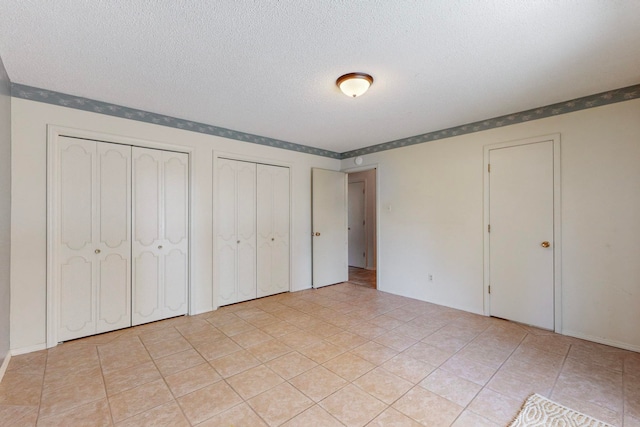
354 84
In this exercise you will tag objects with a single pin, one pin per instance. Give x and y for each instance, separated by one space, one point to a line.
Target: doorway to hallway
362 227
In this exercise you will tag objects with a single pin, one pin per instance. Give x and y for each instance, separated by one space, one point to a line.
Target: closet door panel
161 234
176 191
77 299
94 247
273 230
114 225
226 267
265 220
281 224
146 196
226 241
146 292
114 199
114 293
77 165
280 267
246 230
147 246
176 232
175 280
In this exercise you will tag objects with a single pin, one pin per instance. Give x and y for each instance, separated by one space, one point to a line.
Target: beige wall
431 219
430 215
29 158
5 210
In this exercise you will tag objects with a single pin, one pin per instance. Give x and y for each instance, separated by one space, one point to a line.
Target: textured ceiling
269 67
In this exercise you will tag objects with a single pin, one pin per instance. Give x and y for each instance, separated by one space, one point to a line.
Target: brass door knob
317 234
97 251
545 244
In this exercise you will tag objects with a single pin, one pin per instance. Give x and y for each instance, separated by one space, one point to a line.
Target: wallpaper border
86 104
80 103
590 101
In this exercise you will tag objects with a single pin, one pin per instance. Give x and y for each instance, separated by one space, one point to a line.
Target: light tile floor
341 355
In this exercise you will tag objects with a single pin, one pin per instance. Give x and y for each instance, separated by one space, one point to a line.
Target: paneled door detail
521 243
92 244
273 229
329 232
236 231
160 234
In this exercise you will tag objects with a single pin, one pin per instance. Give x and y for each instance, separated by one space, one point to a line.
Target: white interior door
226 241
176 233
246 230
160 234
357 233
329 222
114 222
93 246
521 243
273 229
236 231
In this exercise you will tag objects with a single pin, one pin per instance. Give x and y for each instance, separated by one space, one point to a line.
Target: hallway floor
362 277
341 355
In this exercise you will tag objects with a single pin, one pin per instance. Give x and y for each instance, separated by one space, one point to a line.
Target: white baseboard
4 366
600 340
30 349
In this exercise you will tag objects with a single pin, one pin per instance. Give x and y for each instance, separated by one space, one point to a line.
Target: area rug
539 411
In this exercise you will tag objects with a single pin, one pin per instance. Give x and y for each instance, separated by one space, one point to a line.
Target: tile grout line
175 399
564 361
484 386
104 385
46 363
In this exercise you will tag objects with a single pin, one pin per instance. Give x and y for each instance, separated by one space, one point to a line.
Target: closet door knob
160 247
97 251
272 239
238 241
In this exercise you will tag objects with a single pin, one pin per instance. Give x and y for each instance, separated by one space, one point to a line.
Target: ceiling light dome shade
354 84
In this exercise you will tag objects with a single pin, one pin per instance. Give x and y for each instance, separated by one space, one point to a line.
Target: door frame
376 167
364 212
557 224
54 132
214 215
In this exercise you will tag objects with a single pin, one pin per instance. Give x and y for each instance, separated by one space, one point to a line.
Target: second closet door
273 230
160 234
236 237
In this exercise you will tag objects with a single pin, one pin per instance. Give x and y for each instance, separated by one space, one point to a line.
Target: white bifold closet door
92 243
160 234
273 229
236 235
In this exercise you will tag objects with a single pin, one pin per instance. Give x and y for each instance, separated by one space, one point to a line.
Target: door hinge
489 167
362 222
489 288
364 254
488 228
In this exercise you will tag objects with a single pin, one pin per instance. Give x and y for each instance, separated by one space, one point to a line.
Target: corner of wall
5 216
